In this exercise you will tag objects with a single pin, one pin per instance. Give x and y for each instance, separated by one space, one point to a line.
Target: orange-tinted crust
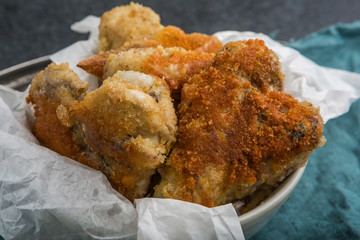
171 36
49 130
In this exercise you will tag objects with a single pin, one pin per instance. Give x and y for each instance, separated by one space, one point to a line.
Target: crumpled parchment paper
47 196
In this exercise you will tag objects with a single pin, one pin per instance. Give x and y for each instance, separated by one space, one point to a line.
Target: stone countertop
31 29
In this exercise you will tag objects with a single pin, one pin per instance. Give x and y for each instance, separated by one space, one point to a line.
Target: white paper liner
48 196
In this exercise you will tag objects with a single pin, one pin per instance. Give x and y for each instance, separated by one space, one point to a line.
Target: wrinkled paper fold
48 195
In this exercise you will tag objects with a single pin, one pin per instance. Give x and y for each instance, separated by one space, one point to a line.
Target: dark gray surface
30 29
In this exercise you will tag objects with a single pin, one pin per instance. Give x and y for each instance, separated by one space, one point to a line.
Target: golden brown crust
233 137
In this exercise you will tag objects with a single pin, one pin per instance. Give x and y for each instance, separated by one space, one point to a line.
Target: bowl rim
280 194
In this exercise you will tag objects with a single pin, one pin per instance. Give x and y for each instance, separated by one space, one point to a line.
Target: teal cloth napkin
326 202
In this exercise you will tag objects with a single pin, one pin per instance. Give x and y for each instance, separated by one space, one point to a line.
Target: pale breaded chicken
125 128
235 136
130 119
129 23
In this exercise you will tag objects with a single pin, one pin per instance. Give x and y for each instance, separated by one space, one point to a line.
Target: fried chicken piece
125 128
174 65
129 23
234 136
52 92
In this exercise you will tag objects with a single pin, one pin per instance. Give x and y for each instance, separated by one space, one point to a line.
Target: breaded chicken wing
125 128
175 65
236 135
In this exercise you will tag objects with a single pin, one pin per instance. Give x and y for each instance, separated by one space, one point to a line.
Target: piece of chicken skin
234 136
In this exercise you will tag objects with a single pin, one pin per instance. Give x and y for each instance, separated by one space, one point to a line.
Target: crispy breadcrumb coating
235 136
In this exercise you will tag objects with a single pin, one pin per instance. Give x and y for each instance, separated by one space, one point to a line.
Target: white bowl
252 221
